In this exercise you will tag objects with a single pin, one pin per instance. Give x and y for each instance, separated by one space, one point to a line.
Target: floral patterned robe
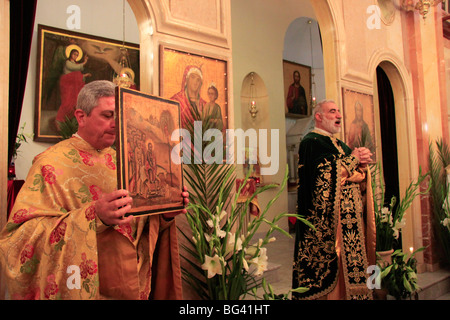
330 197
54 246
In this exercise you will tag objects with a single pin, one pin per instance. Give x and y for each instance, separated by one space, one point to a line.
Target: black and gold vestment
332 191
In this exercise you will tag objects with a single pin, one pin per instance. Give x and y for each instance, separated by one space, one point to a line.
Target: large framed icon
147 165
195 81
66 61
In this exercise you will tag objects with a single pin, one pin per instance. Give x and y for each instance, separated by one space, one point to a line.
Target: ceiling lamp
125 77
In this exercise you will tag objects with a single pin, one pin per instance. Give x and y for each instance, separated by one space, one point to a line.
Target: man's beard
330 126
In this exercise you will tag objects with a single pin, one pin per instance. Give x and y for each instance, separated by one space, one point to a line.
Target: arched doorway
302 52
396 97
389 159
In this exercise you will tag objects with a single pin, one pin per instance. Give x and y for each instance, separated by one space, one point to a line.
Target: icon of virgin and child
190 99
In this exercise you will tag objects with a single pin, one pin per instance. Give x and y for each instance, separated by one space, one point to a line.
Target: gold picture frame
146 165
297 89
359 120
176 66
66 61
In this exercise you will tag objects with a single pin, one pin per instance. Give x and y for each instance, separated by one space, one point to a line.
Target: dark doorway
388 137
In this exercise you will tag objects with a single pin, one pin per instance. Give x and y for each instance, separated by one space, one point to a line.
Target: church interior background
346 46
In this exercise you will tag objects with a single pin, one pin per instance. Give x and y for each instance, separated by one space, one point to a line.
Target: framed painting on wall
146 165
66 62
297 89
359 120
195 81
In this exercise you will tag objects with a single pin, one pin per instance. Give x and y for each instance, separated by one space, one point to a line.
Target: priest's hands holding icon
111 208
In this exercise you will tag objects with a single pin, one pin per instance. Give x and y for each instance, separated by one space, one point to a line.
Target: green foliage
68 127
400 277
389 220
223 259
20 138
438 165
269 294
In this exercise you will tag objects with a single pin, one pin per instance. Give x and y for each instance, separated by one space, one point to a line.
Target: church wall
258 33
412 49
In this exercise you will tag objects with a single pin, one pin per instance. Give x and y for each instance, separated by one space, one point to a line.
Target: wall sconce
252 107
423 6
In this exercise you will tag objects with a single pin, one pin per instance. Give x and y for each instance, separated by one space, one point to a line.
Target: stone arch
144 17
401 84
326 18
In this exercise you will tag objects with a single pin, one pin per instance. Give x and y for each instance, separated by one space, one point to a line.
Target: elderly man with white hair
331 259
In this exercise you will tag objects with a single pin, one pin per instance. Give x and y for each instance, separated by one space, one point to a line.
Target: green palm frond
214 199
438 162
68 127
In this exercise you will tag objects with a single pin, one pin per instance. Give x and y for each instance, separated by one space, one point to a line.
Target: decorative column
424 53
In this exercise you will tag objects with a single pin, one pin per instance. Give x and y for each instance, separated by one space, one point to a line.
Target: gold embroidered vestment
330 197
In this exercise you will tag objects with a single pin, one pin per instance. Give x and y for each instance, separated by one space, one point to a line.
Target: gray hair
318 107
90 93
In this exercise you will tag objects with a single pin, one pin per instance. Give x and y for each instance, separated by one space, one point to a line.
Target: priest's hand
112 207
185 195
363 154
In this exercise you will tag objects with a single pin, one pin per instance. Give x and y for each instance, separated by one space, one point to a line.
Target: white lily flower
400 224
222 215
251 251
397 227
213 265
261 262
245 264
220 233
231 244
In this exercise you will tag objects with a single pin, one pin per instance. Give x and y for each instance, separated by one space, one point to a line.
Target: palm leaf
439 191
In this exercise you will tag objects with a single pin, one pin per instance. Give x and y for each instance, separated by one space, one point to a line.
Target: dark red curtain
22 15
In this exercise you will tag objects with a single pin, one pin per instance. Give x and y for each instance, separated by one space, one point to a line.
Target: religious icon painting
199 83
297 89
68 60
359 120
148 165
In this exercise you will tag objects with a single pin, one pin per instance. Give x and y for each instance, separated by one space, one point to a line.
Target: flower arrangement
228 261
391 219
223 259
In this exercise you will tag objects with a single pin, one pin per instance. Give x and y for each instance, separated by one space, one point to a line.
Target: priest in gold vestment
334 195
67 237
